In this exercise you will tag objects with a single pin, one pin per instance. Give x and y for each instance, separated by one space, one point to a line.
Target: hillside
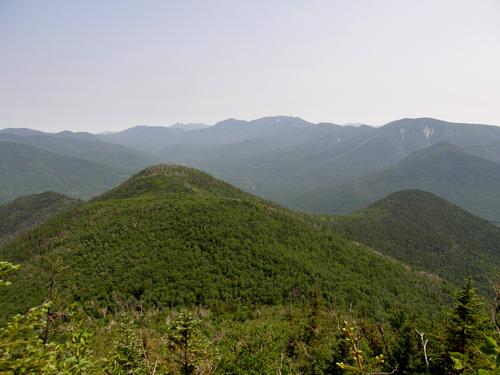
83 146
27 212
323 168
148 139
28 170
189 126
281 158
272 157
425 231
444 169
295 162
174 236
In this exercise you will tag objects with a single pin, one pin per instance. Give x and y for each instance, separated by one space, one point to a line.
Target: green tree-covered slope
83 146
175 236
27 212
322 168
424 230
28 170
466 180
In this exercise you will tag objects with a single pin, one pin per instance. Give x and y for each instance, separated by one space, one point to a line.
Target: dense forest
314 167
314 337
30 211
249 187
428 233
175 272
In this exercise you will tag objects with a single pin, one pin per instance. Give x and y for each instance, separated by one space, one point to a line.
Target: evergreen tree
466 328
406 355
189 347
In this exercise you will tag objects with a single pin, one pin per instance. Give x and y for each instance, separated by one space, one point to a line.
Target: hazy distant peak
355 124
427 121
266 121
71 133
289 120
24 132
280 118
147 129
230 122
189 126
420 121
78 135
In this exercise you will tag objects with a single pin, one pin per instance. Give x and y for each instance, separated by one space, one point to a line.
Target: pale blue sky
109 65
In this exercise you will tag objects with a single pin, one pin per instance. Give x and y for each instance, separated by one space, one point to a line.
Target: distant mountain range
323 168
189 126
143 249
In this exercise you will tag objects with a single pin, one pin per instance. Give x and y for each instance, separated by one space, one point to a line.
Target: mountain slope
416 134
270 157
285 158
27 212
189 126
423 230
175 236
84 146
28 170
447 170
150 139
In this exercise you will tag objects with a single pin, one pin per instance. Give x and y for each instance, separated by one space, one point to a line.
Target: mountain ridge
145 246
426 231
295 162
29 170
444 169
27 212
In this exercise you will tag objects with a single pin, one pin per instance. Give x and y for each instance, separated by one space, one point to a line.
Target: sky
109 65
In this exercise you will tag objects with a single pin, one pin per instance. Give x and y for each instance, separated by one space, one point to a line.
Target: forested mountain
298 163
151 139
271 157
443 169
425 231
321 168
189 126
27 170
82 145
144 138
155 221
174 269
27 212
173 236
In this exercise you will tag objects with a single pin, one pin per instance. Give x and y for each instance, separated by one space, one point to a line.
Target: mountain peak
424 230
171 179
189 126
406 198
22 132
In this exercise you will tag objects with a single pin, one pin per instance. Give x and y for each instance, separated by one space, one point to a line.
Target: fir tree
467 324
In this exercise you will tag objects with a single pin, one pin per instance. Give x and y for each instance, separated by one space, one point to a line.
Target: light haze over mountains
259 187
324 168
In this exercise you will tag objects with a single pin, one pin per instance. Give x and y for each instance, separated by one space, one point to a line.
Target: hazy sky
109 65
